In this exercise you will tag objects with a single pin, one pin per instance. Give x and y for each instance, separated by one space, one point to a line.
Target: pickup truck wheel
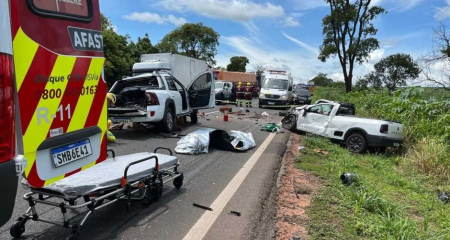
289 122
356 143
194 117
167 123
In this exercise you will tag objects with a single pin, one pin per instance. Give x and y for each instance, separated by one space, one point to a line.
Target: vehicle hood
274 91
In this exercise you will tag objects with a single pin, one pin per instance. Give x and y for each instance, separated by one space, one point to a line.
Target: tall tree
238 64
119 59
436 65
396 69
374 80
193 40
348 33
322 80
142 46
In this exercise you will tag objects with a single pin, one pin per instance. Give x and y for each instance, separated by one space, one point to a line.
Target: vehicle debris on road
199 141
202 207
444 197
348 178
235 213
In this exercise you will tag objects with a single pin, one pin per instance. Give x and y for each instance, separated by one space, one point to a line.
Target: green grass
385 203
396 193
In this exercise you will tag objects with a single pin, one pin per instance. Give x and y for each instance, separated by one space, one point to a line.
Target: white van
276 89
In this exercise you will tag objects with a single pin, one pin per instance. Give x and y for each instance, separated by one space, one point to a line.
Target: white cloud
376 55
114 28
401 5
147 17
291 22
443 12
302 44
236 10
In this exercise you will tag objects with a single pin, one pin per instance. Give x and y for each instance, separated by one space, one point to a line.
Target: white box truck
183 68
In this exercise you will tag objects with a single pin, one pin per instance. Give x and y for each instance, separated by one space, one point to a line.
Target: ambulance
53 111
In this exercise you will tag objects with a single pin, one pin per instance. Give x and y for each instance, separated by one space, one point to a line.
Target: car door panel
174 94
201 91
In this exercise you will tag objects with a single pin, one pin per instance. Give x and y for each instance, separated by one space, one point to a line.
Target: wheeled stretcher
131 177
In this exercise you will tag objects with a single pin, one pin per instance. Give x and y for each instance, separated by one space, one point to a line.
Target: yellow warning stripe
37 130
80 115
81 112
24 51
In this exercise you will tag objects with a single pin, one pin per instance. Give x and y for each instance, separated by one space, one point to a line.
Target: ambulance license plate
271 103
72 152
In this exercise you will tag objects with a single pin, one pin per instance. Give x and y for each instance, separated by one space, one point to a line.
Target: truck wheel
194 117
167 123
356 143
289 122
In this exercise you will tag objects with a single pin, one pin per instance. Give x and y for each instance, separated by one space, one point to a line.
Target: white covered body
183 68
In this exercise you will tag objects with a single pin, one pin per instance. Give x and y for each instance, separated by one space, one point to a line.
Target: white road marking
199 230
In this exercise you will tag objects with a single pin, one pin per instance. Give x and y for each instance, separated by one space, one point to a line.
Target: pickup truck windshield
218 85
273 83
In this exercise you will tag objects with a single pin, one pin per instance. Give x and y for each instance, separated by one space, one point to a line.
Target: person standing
248 95
239 94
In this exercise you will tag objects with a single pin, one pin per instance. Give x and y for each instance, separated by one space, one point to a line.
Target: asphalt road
206 176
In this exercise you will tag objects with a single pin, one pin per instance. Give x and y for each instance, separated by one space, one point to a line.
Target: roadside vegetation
396 195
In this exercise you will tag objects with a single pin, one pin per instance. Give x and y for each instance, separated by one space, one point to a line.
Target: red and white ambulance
52 95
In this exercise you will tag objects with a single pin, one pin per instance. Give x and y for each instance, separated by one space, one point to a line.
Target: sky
283 34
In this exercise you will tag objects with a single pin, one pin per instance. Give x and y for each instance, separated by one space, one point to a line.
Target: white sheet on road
199 141
108 174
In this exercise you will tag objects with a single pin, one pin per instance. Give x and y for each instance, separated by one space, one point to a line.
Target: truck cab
276 89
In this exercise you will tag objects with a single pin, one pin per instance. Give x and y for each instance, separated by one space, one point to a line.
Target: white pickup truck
159 97
338 122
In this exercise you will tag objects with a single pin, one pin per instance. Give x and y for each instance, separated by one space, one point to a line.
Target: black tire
356 143
167 124
289 122
17 229
178 181
194 117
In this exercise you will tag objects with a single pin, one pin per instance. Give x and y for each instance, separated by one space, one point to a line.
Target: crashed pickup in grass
338 122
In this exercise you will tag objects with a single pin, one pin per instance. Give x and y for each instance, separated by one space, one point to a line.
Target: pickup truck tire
289 122
356 143
194 117
168 121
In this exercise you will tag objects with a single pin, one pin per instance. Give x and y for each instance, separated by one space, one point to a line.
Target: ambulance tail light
7 133
151 99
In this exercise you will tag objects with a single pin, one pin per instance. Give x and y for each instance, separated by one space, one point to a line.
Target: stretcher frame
147 189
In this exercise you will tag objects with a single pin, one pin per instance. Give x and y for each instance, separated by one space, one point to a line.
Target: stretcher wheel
17 229
178 181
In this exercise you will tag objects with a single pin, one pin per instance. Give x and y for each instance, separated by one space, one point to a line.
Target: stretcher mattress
108 174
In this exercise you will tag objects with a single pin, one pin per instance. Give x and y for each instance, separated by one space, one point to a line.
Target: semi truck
183 68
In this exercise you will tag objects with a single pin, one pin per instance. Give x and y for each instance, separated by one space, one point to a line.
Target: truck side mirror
290 88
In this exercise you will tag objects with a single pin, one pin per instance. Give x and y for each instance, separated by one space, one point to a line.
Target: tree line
121 52
349 35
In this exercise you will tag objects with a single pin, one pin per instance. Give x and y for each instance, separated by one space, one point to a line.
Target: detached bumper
378 141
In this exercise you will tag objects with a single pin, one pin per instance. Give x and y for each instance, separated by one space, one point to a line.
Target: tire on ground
194 116
356 143
168 121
